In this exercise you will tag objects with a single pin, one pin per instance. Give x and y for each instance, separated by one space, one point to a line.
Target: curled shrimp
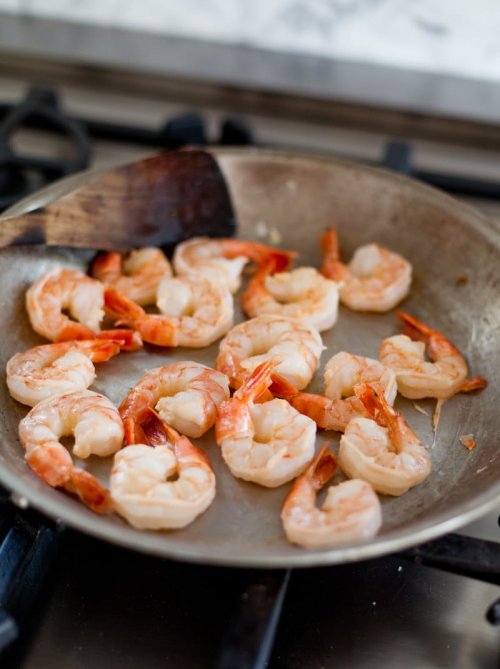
384 451
51 369
163 485
65 289
266 337
185 394
221 260
302 293
340 405
68 289
376 279
344 371
268 443
418 378
351 510
97 429
196 312
137 274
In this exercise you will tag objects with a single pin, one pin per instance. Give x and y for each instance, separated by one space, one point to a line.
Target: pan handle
25 556
248 640
467 556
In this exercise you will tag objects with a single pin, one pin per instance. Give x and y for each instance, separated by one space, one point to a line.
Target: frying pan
455 253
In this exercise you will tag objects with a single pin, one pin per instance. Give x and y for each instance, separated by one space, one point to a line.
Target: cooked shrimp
51 369
197 312
203 310
62 289
268 443
97 429
418 378
328 414
350 512
266 337
137 275
340 405
384 451
164 485
303 294
344 371
221 260
376 279
185 394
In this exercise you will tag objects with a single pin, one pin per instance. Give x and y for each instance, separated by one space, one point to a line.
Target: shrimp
204 311
69 289
303 294
44 371
267 443
197 313
267 337
350 512
344 371
185 394
137 275
221 260
328 414
83 297
384 451
376 279
340 405
417 378
164 485
97 429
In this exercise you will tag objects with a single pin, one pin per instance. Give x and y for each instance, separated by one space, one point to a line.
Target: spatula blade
158 201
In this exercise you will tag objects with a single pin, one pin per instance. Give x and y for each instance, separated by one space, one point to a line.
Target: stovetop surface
105 607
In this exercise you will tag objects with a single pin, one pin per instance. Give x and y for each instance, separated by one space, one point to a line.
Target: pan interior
292 198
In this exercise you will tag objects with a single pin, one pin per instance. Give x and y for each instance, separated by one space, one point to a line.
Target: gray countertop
249 67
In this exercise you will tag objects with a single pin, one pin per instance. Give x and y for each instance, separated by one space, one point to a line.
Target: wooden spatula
158 201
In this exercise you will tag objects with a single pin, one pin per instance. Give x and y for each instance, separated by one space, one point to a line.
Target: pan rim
24 494
157 543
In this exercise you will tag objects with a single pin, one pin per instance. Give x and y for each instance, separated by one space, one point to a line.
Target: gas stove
70 601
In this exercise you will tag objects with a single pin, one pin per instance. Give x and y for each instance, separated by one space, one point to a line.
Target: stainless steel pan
295 196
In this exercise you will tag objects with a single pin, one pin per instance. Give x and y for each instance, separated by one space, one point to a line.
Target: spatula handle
26 229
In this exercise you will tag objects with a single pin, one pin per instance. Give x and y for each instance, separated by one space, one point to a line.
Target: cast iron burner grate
29 542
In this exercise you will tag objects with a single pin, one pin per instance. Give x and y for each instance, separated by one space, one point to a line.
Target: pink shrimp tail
437 344
127 340
120 307
51 463
474 383
331 266
317 407
273 263
156 432
74 332
106 266
316 476
150 429
152 328
281 387
158 330
257 382
55 467
323 467
101 350
89 490
373 398
257 252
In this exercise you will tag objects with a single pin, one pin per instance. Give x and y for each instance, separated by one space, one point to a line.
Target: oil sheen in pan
299 196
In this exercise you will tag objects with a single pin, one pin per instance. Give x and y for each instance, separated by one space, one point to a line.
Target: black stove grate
29 542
